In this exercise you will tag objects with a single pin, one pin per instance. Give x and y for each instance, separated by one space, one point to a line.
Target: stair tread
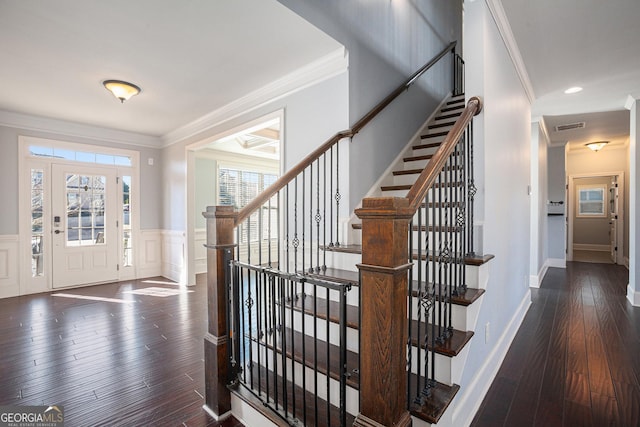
353 314
441 125
434 135
350 249
456 101
451 347
434 405
474 260
466 298
447 116
428 145
452 108
337 275
416 158
358 226
320 361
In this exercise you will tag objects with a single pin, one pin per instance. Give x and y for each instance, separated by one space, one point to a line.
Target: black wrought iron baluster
338 195
278 301
324 213
434 283
471 189
310 197
295 242
287 215
328 358
318 218
259 331
331 244
234 322
279 208
315 352
302 211
269 233
294 301
343 355
410 316
283 344
304 351
439 256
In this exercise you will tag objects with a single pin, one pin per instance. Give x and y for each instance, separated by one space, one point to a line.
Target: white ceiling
190 57
594 44
193 57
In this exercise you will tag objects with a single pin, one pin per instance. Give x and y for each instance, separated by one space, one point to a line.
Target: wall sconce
121 90
597 146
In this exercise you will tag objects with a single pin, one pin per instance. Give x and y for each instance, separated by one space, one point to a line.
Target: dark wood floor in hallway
576 358
125 354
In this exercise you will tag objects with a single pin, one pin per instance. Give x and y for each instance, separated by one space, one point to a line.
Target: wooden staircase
348 257
366 327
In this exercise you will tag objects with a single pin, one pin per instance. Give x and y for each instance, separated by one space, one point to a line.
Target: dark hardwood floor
576 358
112 354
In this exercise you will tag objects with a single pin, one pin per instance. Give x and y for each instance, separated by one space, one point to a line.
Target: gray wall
387 41
150 193
592 231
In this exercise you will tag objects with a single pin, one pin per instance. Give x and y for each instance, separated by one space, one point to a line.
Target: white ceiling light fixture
121 89
597 146
574 89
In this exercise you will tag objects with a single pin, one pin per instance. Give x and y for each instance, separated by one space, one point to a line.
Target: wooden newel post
220 226
383 326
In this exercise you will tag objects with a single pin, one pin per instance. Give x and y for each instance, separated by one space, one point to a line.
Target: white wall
539 197
387 41
503 138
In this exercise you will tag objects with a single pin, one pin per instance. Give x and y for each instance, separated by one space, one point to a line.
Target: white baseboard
536 280
247 414
590 247
633 296
474 393
557 263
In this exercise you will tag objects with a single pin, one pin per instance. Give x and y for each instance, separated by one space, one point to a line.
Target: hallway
576 358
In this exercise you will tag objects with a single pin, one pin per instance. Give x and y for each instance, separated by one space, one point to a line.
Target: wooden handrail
429 174
285 179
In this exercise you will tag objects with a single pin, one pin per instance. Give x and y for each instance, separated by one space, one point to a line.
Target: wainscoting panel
9 276
149 255
173 255
200 238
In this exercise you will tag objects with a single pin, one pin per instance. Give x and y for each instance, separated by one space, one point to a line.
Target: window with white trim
592 201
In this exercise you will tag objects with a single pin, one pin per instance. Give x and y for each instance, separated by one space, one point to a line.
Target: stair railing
438 206
281 235
443 201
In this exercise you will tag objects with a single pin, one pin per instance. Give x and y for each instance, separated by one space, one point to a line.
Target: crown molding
78 130
324 68
504 28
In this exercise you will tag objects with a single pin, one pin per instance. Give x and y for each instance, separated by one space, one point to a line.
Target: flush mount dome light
121 89
574 89
597 146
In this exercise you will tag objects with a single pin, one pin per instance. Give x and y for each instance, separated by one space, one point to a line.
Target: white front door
84 218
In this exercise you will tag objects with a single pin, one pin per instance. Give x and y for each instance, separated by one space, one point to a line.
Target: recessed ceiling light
574 89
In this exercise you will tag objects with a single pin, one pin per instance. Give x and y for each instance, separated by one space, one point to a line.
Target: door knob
58 231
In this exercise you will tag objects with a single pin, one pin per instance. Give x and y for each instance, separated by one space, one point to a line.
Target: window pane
127 244
37 231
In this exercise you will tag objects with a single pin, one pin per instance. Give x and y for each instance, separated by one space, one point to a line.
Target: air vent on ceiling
569 126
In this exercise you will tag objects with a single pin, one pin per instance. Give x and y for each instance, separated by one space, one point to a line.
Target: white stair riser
295 370
414 164
334 330
458 314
